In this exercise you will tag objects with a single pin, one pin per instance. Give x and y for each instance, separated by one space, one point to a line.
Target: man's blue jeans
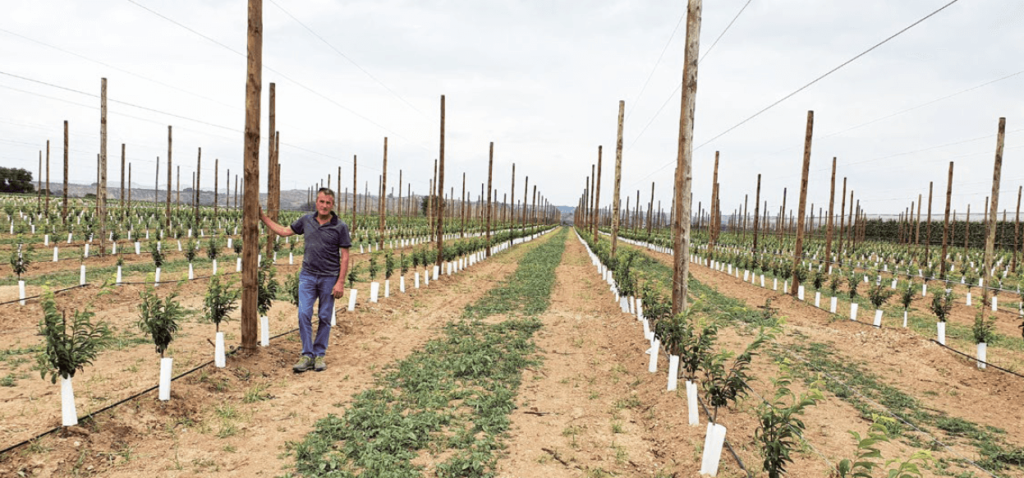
311 288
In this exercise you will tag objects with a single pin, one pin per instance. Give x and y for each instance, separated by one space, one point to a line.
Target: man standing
324 267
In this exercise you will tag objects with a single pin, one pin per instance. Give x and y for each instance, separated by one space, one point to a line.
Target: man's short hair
327 191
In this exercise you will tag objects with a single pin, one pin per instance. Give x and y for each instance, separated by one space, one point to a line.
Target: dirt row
237 419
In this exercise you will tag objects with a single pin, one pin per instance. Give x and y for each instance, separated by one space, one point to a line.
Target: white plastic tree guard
69 416
673 372
713 442
264 331
853 311
374 291
652 365
218 351
166 367
982 355
352 299
940 327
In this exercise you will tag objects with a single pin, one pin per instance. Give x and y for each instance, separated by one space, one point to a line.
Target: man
324 267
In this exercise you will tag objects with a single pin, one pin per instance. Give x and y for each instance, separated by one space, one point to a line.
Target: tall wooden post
597 196
250 203
462 207
618 179
64 212
199 169
216 185
177 193
967 230
799 251
129 186
712 233
842 223
101 198
945 224
684 153
354 189
928 232
167 212
990 238
440 190
383 187
1016 232
757 213
650 211
490 171
831 212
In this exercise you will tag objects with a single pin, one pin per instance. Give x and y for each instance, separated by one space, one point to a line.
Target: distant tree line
16 180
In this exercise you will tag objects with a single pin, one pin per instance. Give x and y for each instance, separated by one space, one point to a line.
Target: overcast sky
542 80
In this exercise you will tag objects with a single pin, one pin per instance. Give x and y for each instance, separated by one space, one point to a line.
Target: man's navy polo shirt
322 256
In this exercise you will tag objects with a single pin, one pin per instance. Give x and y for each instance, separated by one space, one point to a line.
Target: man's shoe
305 363
320 365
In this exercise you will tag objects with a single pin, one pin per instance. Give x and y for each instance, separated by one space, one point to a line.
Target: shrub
907 294
156 253
852 282
389 264
211 248
190 250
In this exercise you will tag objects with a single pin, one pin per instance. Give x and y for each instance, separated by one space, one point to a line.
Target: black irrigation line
930 340
726 442
122 401
1011 372
150 389
55 292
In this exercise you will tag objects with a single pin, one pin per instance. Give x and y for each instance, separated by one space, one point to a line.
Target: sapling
291 287
907 295
212 248
19 262
266 286
983 330
722 385
220 301
833 283
879 294
389 264
156 254
865 463
819 279
403 263
780 431
237 246
852 282
190 250
68 350
159 318
373 267
942 304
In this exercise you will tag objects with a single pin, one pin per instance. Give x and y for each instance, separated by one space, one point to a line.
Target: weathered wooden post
618 179
490 171
990 239
757 214
101 198
597 196
945 224
440 190
684 153
250 218
381 201
799 250
64 212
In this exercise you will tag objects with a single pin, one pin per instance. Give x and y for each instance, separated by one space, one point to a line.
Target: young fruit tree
159 318
68 348
869 457
780 430
906 297
220 301
267 287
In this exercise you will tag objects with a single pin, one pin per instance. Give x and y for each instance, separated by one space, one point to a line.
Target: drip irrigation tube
1011 372
38 296
122 401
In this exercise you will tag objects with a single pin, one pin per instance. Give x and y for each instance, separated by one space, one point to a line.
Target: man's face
324 204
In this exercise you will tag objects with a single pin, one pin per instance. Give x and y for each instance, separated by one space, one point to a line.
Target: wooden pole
195 205
440 190
712 232
842 223
101 198
945 224
831 212
490 171
928 232
757 213
462 206
990 239
799 251
1016 232
64 212
383 187
216 185
597 196
650 211
684 154
618 180
167 211
250 203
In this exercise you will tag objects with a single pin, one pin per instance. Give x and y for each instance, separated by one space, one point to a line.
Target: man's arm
278 229
339 287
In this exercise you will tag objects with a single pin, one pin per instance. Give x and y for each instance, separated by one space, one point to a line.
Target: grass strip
451 398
